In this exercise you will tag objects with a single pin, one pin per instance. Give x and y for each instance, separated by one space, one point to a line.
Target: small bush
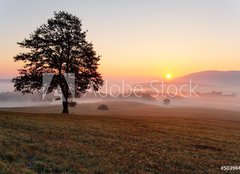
166 101
103 107
72 104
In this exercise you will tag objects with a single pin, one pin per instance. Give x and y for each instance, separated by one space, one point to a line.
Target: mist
217 97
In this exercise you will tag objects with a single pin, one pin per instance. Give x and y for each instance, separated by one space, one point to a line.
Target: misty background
215 89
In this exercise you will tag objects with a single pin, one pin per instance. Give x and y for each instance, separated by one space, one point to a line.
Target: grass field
176 141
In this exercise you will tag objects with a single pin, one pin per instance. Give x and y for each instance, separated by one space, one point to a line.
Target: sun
168 76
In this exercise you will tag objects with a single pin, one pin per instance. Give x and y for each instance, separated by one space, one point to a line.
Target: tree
58 47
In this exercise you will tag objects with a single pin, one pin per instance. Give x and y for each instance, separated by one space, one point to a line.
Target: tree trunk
65 107
64 87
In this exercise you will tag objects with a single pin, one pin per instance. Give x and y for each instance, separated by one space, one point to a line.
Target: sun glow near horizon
168 76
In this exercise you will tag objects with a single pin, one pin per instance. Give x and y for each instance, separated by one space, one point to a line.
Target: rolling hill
213 78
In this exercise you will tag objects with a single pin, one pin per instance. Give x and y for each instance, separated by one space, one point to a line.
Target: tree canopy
58 47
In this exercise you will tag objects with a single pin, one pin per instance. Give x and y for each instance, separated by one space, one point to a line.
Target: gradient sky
139 39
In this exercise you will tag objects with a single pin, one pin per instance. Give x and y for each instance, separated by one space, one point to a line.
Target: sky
137 39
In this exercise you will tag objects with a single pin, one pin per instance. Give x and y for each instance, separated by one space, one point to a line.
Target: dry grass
52 143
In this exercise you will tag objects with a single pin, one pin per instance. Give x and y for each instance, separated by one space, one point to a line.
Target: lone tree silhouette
58 47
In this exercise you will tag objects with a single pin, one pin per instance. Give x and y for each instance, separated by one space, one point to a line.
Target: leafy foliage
58 47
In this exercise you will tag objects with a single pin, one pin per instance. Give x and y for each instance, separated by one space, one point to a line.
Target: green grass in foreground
52 143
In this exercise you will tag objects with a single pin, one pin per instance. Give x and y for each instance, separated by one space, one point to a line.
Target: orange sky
137 39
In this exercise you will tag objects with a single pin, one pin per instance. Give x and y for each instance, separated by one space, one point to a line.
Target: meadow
152 140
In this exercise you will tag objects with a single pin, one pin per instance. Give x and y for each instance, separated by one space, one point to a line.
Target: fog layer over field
218 102
228 98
